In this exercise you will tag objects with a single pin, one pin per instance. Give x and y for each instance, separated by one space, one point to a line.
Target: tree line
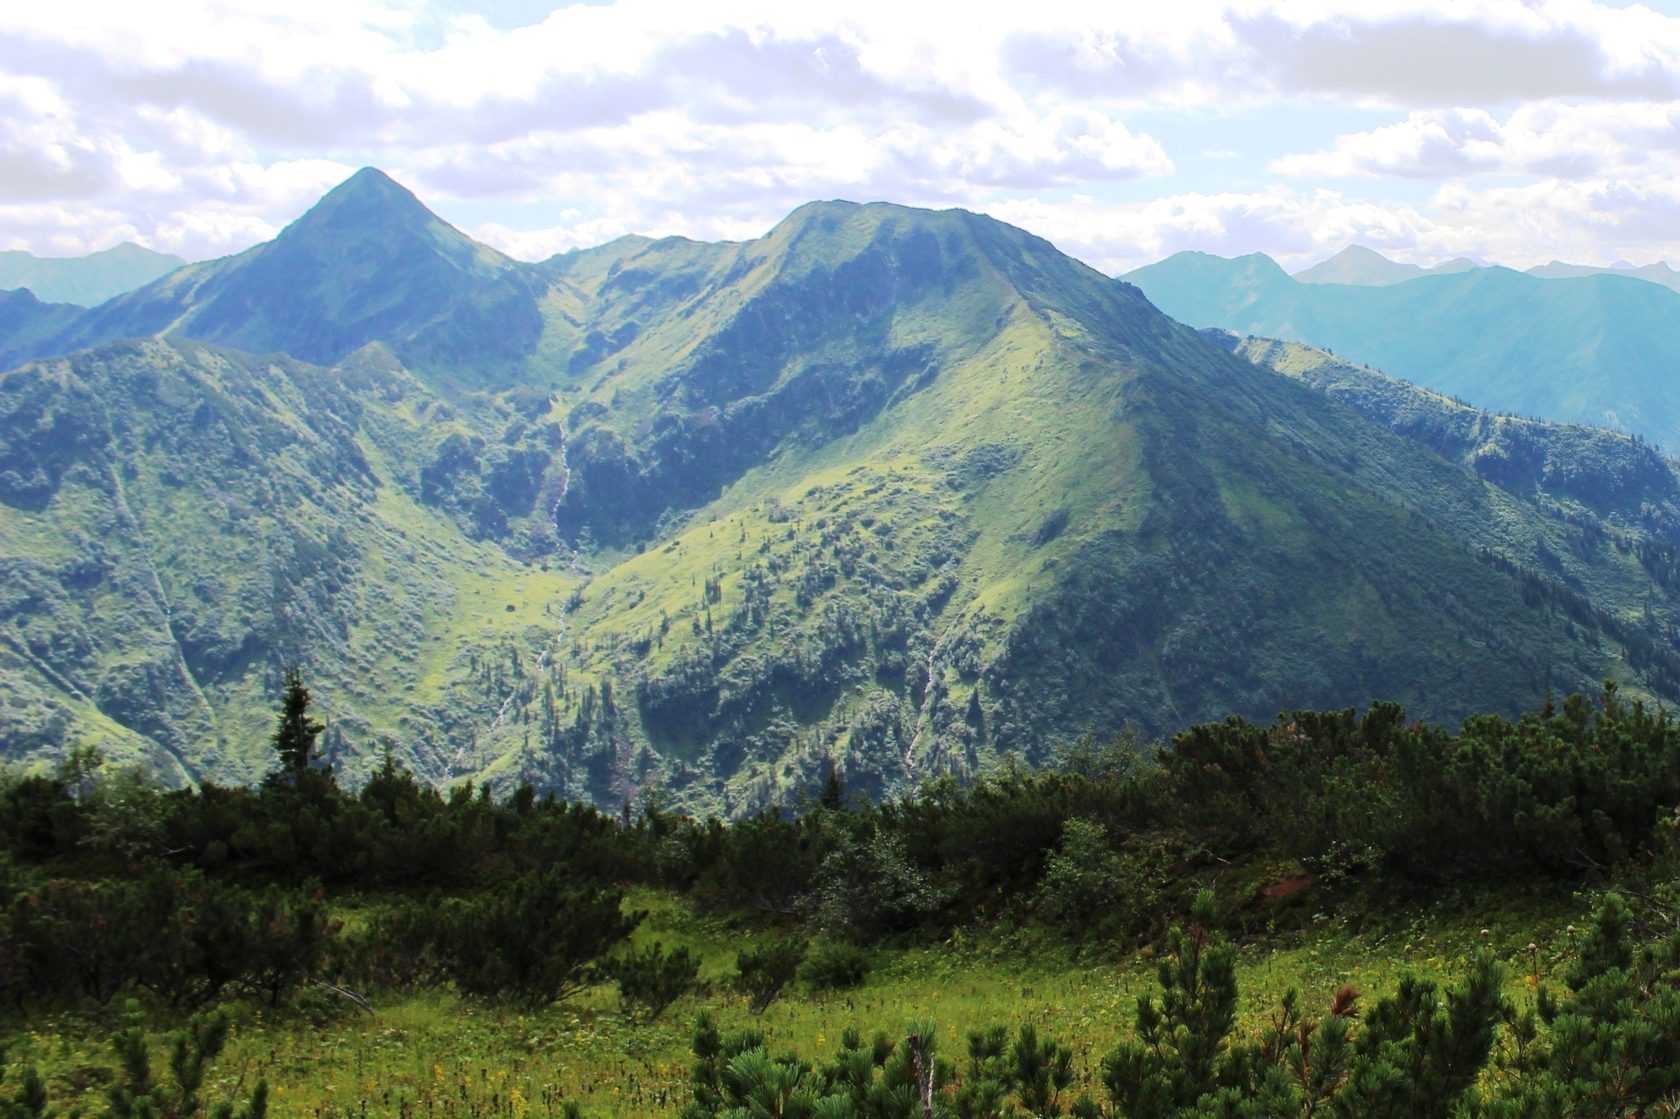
114 887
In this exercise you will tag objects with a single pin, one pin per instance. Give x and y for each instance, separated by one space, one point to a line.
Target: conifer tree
294 736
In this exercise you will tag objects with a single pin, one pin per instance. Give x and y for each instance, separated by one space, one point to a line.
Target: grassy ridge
906 491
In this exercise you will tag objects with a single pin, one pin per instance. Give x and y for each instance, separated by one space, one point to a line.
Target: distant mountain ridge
1658 273
1363 266
1594 349
85 280
366 263
903 491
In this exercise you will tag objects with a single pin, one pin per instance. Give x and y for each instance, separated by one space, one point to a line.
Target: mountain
1658 273
28 326
85 280
1618 480
1359 265
1594 349
367 263
905 491
179 522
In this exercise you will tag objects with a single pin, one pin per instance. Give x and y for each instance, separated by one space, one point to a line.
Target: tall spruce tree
294 737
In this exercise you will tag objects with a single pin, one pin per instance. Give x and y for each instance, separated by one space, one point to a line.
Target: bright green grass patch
431 1053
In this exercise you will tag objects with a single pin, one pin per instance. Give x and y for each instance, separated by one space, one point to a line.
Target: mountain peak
368 196
1363 253
367 262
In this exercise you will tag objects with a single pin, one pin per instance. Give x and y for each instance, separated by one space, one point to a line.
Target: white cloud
1591 222
202 124
1549 138
1288 225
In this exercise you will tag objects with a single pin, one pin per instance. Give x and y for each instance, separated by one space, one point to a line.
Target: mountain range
1365 267
85 280
1357 264
1593 349
906 491
1658 273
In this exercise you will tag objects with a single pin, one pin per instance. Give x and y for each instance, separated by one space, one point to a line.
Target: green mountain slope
177 523
903 490
85 280
1595 349
1066 512
1619 479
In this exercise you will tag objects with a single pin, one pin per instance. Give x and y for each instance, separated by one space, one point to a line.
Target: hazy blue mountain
1658 273
1595 349
85 280
367 263
904 490
1357 264
28 326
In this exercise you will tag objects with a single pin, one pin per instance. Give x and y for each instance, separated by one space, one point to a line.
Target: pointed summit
368 201
1359 265
368 262
371 219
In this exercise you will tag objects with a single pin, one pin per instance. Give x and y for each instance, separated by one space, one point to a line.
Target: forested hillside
904 492
1350 911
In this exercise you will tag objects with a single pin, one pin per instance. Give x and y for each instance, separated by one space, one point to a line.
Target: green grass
437 1054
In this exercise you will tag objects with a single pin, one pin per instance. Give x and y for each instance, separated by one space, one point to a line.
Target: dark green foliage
1419 1052
760 974
539 939
1006 1079
294 737
1089 889
28 1100
1182 1037
736 1076
187 937
835 965
137 1094
1610 1046
651 980
867 885
1569 787
1416 1055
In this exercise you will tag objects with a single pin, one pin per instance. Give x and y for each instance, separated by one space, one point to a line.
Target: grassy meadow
433 1053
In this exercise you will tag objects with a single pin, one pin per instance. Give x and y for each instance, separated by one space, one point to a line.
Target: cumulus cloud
1551 138
1395 52
1291 226
213 124
1518 226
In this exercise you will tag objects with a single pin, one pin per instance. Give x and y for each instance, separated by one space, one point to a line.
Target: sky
1122 131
